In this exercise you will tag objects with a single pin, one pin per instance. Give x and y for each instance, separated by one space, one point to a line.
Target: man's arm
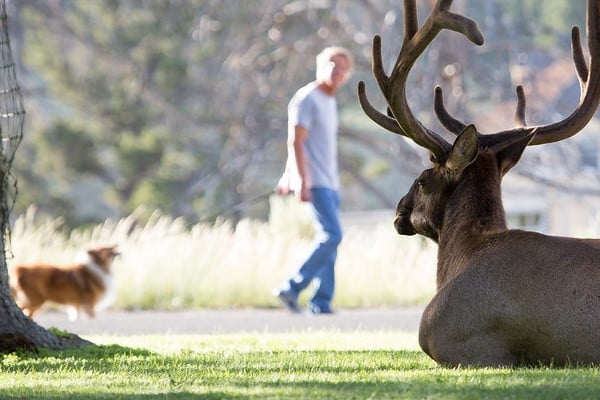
297 145
295 165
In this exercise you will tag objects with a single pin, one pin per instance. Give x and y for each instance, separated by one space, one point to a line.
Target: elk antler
393 87
589 82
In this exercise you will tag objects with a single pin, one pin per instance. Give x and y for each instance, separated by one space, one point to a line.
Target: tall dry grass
167 264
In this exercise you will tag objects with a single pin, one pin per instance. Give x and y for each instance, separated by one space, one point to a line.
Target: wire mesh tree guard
12 118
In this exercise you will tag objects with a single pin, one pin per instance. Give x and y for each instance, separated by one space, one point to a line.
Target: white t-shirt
317 112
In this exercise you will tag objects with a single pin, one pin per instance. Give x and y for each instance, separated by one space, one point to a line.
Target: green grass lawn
317 365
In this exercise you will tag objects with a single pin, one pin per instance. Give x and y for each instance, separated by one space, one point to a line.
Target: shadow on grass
416 388
128 396
321 374
91 358
94 352
433 387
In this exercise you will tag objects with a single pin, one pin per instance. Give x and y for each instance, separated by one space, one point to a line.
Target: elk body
504 297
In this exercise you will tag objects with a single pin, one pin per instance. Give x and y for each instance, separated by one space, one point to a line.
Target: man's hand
283 186
304 194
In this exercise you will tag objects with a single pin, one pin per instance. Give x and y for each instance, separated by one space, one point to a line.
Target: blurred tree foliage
180 105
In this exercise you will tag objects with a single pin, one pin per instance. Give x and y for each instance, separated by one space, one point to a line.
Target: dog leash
237 206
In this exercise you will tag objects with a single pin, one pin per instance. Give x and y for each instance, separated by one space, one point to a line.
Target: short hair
325 56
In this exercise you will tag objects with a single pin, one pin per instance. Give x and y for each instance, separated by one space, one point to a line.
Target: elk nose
402 223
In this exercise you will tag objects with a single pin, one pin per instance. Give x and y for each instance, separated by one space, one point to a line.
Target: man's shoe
288 300
314 309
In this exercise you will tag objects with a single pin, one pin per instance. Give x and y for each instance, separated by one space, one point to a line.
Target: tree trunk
16 330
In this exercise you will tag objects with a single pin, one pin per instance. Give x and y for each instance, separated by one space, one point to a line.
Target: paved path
232 321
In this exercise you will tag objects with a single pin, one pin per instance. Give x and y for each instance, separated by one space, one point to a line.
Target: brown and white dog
86 285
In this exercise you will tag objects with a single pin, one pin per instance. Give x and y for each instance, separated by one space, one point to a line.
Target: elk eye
421 184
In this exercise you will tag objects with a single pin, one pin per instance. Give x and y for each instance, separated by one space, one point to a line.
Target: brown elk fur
504 297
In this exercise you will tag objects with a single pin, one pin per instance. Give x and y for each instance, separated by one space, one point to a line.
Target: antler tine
521 103
414 44
411 22
393 86
381 119
448 121
578 58
383 80
377 65
456 127
458 23
589 81
385 121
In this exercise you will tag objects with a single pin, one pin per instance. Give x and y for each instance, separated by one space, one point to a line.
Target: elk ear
511 154
464 151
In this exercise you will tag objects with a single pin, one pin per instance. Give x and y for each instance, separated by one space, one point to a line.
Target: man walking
312 174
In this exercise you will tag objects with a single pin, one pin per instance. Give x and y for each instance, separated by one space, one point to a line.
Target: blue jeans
319 265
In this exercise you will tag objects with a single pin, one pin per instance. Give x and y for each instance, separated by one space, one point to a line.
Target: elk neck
473 210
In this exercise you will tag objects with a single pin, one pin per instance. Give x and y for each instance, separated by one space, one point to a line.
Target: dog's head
103 256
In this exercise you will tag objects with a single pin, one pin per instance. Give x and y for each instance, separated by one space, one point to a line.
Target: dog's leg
26 305
31 310
73 313
89 310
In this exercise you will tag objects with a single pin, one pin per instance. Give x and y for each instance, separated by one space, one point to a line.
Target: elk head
423 209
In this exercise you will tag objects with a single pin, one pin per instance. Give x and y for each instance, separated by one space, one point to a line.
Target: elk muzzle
402 219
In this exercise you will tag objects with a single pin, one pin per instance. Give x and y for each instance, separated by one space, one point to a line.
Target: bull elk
505 297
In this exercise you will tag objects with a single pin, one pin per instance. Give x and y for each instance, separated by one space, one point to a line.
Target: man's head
334 66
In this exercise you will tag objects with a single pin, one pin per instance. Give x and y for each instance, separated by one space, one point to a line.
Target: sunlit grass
168 264
328 339
319 365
